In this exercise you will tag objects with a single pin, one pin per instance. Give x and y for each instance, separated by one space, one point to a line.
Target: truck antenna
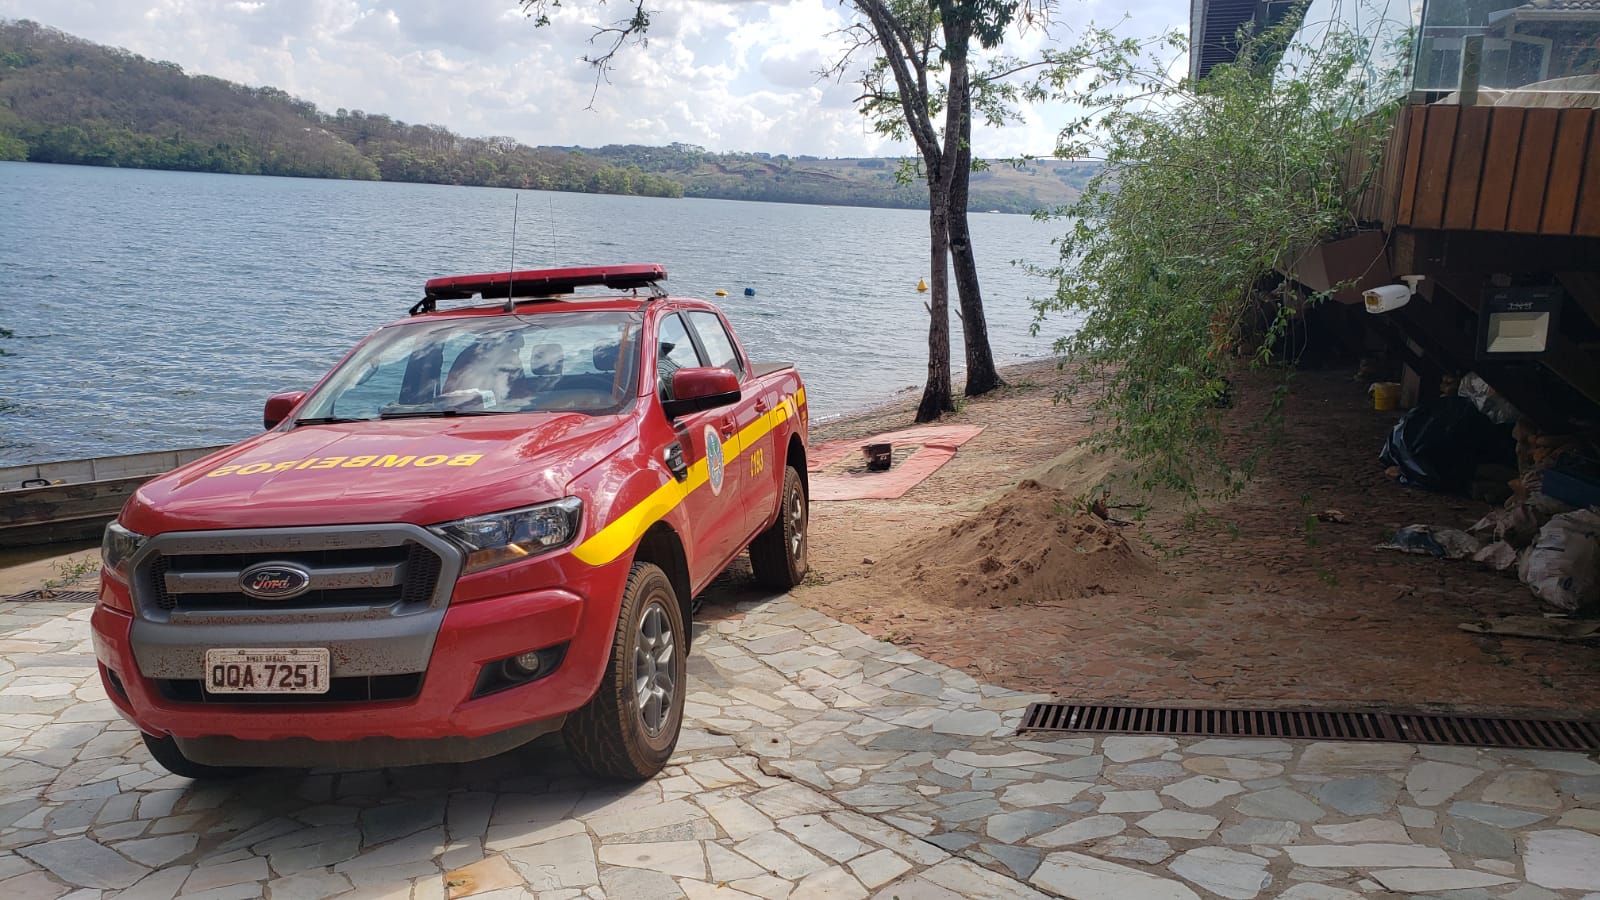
511 301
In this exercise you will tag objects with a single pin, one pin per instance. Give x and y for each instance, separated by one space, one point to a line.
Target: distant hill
67 100
1003 187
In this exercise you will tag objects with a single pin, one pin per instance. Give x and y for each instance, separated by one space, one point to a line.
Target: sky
727 75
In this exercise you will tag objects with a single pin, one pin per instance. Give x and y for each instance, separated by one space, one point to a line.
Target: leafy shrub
1207 189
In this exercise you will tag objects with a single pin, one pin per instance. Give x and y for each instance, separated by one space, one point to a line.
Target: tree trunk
937 398
982 376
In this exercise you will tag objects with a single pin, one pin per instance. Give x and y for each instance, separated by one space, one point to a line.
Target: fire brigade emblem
714 461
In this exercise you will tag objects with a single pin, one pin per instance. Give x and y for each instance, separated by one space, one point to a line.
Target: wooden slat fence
1372 167
1495 168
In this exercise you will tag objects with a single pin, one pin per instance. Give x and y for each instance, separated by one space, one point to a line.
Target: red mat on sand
934 445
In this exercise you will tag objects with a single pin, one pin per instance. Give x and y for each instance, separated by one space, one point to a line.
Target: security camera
1391 296
1387 297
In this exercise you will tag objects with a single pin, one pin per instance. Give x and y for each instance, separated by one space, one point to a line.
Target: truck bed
760 369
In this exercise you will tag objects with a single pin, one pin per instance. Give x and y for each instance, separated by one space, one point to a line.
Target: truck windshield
581 362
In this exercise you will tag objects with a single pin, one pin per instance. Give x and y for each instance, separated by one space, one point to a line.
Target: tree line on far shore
67 100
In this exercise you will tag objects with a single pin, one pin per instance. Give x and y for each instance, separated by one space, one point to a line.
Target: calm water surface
155 310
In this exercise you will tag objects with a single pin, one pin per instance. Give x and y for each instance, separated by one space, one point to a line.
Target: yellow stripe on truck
625 530
617 538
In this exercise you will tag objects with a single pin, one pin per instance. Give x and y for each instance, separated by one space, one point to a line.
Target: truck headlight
504 537
117 547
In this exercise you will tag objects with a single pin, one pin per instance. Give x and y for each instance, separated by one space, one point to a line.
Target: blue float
749 292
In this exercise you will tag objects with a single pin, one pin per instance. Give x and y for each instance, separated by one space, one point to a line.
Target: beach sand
1259 603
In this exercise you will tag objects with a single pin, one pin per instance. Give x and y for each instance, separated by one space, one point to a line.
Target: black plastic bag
1437 446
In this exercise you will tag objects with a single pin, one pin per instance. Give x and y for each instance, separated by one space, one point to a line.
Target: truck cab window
719 347
584 362
379 382
675 351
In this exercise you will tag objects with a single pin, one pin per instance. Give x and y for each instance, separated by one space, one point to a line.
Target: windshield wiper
327 420
436 413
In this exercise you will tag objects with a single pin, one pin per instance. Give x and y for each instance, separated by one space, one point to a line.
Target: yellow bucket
1386 395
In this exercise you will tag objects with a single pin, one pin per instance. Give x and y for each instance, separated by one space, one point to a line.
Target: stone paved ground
816 763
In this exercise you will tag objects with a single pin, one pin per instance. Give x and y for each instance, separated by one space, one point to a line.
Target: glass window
378 384
1379 34
719 347
579 362
676 351
1539 47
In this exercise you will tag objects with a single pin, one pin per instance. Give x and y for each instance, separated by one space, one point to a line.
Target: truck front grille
422 575
200 573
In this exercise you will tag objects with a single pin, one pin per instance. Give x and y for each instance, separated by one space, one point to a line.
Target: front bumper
488 619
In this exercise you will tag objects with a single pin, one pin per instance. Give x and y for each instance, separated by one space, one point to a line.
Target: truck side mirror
278 406
695 389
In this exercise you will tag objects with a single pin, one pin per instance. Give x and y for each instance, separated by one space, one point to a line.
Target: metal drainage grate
1473 731
52 597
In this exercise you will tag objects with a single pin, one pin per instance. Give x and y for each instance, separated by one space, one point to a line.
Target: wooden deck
1462 195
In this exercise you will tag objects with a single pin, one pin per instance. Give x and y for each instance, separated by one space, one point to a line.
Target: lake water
156 310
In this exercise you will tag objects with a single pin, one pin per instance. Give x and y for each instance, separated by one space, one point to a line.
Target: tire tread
769 552
594 734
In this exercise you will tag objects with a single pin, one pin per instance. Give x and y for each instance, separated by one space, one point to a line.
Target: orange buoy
922 285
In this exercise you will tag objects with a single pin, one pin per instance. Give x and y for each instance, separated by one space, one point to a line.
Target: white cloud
724 74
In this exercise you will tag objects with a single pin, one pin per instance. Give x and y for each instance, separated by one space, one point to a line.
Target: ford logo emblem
274 581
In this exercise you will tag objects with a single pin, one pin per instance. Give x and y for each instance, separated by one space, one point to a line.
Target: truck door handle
726 426
761 406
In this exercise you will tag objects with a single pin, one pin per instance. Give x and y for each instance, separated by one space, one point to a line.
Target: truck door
716 508
755 460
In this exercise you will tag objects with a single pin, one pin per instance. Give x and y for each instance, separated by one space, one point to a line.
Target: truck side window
676 351
714 335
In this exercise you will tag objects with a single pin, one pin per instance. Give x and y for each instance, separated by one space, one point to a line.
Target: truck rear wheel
630 728
166 752
778 555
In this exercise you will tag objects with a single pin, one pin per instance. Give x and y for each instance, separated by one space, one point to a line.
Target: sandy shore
1258 602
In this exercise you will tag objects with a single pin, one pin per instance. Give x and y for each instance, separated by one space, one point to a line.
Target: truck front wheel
778 555
630 728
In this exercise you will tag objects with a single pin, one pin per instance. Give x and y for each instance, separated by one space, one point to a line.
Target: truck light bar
537 283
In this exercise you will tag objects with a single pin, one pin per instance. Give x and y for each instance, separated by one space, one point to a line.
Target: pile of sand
1033 545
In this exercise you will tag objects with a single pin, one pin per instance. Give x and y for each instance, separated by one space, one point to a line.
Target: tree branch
634 28
901 64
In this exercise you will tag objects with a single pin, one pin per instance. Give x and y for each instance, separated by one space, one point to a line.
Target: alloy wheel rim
797 527
654 654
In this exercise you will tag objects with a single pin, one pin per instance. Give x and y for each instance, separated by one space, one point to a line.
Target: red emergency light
540 282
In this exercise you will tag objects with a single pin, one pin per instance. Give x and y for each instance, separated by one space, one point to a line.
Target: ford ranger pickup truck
487 523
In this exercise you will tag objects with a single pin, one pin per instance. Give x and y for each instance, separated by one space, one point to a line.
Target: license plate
302 670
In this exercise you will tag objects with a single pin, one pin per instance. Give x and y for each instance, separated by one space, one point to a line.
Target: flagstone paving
816 762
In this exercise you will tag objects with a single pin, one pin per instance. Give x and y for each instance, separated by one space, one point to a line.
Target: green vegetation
778 178
71 571
1206 191
763 176
66 100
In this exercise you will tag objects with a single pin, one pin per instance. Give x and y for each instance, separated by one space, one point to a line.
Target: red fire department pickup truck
485 524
